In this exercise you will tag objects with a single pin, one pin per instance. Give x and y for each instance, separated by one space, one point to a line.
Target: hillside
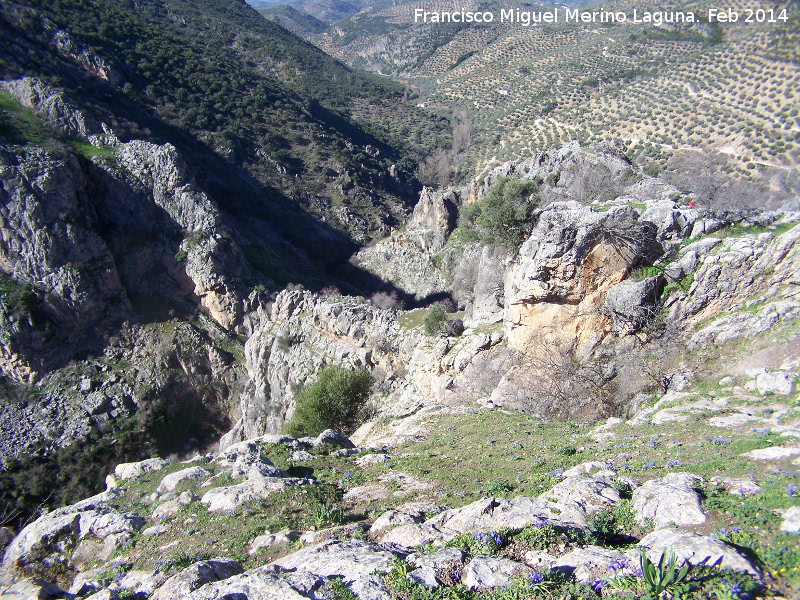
661 90
257 98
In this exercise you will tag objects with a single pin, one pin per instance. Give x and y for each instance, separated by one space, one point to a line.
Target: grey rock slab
154 530
322 535
774 453
694 548
584 469
301 455
669 500
195 576
775 383
405 514
329 436
232 497
737 487
269 540
173 480
262 583
365 493
87 583
584 494
407 483
414 535
791 520
350 560
440 559
141 582
137 469
425 575
369 588
491 572
586 564
32 589
369 460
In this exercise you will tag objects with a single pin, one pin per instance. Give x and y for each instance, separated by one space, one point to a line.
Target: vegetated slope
259 97
722 87
292 19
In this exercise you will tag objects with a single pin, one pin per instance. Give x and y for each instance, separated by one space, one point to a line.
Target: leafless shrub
387 300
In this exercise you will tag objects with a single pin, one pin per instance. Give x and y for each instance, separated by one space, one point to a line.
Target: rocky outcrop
670 500
69 537
574 256
50 104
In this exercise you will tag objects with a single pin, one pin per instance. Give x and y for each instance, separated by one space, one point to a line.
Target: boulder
584 494
32 589
137 469
301 455
173 480
191 578
669 500
365 493
369 460
586 564
585 468
781 384
491 572
695 548
268 540
255 488
6 537
791 520
329 436
405 514
263 583
737 487
774 453
350 559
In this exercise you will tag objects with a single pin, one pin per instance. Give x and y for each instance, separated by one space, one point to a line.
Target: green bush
435 319
336 400
504 215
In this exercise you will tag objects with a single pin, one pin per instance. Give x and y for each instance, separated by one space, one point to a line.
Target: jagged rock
737 487
365 493
256 487
694 548
173 480
32 589
264 583
141 582
191 578
791 520
487 305
491 572
586 564
106 594
774 453
245 460
370 588
586 495
632 303
669 500
775 383
350 560
329 436
677 270
269 540
137 469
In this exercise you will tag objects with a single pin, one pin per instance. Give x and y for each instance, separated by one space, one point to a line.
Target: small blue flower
536 577
598 585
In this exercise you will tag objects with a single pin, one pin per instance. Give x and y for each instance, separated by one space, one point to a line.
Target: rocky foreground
482 502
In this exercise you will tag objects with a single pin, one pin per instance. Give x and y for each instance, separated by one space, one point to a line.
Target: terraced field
732 88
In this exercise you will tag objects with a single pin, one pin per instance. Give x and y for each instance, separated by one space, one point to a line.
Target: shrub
503 216
336 400
435 319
